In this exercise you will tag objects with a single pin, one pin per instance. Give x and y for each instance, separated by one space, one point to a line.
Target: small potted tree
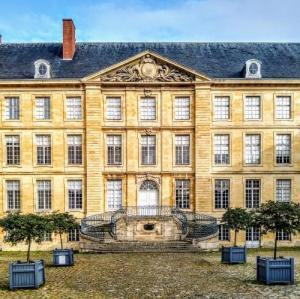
61 223
273 217
25 228
236 219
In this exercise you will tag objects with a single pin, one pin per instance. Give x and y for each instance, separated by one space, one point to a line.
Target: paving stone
168 275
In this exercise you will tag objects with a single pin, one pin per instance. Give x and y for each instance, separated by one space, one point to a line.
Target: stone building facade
90 128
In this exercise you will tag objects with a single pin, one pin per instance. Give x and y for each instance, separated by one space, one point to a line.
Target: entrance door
148 198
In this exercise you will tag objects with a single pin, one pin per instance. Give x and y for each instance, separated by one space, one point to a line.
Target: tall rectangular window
12 108
252 193
283 190
283 148
74 149
252 108
283 236
182 194
283 107
148 150
114 194
75 194
12 149
73 235
114 149
13 195
42 108
252 149
222 193
182 108
44 194
74 108
113 108
252 234
221 108
43 149
221 148
182 149
224 233
148 108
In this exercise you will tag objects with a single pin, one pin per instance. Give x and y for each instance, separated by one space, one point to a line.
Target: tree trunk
28 250
275 246
61 241
235 237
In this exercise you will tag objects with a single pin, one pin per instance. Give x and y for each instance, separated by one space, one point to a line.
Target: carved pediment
148 69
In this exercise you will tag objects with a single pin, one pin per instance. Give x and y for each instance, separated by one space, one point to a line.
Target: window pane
114 149
224 233
74 108
42 108
221 108
12 150
44 194
283 149
13 195
113 108
222 194
148 144
114 194
12 108
75 149
182 149
252 150
43 143
252 193
147 109
252 108
252 234
283 107
182 108
75 194
221 147
182 194
283 190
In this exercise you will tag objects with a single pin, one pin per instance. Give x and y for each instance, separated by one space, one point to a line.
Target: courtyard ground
181 275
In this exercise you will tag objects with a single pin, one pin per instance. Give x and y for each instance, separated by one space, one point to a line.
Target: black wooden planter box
63 257
26 275
279 271
234 255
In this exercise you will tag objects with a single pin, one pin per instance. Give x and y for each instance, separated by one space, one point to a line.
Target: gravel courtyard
187 275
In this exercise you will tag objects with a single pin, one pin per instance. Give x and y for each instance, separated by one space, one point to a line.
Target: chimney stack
68 39
0 39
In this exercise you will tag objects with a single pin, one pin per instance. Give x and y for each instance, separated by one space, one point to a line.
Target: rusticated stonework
148 69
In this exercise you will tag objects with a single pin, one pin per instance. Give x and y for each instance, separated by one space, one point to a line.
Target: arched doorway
148 198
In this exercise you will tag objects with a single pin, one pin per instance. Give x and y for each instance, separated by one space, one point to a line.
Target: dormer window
42 69
253 69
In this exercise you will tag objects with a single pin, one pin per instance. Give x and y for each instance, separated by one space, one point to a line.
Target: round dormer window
253 68
42 69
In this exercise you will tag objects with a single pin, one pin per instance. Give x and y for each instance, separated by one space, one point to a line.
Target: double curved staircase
99 232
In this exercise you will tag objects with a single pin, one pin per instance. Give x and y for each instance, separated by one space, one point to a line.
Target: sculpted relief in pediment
148 69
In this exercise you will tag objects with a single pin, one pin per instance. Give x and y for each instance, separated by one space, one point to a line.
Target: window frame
216 96
5 182
42 97
111 96
5 119
68 97
252 194
141 150
221 228
222 206
37 164
186 203
247 96
182 151
76 209
214 135
114 146
49 180
5 150
290 134
280 95
260 134
75 134
144 97
115 205
176 97
276 180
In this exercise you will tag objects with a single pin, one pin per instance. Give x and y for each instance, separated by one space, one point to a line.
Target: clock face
253 68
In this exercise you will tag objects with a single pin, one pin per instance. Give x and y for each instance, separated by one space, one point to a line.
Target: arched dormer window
42 69
253 69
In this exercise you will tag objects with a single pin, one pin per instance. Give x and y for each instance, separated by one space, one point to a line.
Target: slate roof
217 60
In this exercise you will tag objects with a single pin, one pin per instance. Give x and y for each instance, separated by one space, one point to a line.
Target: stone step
114 247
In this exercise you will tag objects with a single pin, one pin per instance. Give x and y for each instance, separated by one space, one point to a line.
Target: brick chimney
68 39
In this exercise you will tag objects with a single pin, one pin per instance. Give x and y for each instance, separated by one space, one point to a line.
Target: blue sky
137 20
